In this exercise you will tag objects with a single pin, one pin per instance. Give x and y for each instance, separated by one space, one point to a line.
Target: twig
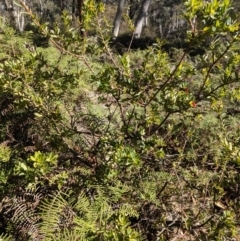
35 20
168 79
162 122
130 44
202 224
107 48
209 71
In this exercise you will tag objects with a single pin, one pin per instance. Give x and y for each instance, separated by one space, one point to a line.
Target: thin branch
209 71
121 109
169 78
131 116
162 189
35 20
202 224
130 44
106 47
162 122
216 88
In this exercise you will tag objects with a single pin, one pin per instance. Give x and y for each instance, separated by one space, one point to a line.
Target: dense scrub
140 146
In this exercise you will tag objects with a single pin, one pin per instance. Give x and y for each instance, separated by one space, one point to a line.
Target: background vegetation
101 142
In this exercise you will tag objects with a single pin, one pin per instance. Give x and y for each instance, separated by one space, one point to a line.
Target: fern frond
128 210
92 216
5 237
57 214
23 216
71 235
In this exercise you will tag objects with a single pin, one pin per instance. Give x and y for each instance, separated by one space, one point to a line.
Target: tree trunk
118 17
80 16
132 9
80 10
73 10
62 5
140 19
9 8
